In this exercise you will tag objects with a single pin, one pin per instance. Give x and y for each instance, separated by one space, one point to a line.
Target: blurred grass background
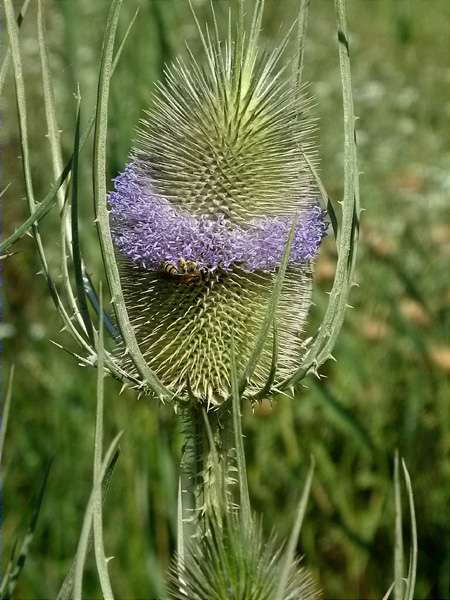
388 388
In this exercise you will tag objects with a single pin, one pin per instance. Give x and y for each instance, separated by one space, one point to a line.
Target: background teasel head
202 213
235 561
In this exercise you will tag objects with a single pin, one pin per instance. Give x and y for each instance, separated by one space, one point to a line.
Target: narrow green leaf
294 537
398 550
91 293
76 251
6 409
7 571
123 42
324 198
13 34
41 210
66 262
244 496
56 154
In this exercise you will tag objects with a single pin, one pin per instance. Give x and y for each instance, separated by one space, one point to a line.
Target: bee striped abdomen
169 268
186 272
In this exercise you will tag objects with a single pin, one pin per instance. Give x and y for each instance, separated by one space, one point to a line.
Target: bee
186 271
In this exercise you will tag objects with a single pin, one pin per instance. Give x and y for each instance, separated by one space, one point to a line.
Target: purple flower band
148 230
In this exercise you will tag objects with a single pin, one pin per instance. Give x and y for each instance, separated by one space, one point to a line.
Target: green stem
204 468
190 474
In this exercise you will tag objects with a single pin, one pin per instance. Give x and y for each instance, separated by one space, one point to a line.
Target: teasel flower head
231 561
202 213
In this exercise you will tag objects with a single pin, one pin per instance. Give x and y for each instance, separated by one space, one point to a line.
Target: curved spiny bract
232 562
217 178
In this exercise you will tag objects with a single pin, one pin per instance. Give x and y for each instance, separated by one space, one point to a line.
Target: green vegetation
387 388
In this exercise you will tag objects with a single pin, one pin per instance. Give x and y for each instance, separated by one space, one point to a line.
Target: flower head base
202 213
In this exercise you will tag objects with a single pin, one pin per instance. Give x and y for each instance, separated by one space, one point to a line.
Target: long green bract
323 343
101 209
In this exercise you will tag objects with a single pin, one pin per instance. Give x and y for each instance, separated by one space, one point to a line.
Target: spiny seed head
232 562
202 213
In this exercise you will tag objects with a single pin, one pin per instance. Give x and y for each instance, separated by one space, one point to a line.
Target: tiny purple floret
149 230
